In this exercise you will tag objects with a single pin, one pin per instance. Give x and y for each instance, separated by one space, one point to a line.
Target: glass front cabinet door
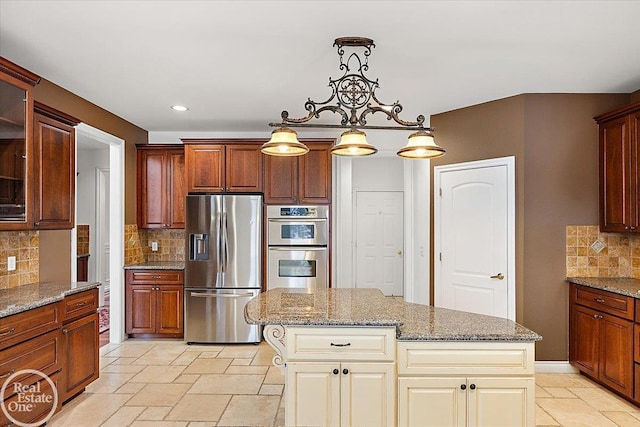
16 133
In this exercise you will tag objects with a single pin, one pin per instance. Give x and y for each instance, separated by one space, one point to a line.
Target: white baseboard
555 367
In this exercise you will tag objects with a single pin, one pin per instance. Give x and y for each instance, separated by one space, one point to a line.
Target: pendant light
284 142
353 143
421 145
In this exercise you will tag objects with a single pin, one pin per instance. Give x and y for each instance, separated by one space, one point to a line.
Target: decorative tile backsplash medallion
82 239
132 248
170 244
24 245
616 255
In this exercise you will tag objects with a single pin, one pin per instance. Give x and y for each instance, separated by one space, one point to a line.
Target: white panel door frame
509 162
116 227
102 241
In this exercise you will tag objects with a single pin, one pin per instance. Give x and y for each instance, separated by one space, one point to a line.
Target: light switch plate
11 263
154 246
598 246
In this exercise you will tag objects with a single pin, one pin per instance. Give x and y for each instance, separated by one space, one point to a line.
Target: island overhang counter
356 357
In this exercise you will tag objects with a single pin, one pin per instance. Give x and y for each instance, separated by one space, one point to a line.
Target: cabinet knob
463 387
345 371
65 331
335 371
600 300
472 386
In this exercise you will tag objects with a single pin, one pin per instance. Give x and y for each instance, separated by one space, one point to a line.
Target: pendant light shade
353 143
284 142
421 145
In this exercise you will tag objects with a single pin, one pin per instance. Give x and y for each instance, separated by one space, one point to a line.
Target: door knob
498 276
399 252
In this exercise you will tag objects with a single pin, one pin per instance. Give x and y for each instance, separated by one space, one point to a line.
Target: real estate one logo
28 403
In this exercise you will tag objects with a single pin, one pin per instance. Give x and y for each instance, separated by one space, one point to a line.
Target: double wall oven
297 254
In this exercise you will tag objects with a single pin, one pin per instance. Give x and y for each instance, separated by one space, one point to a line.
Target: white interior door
474 233
379 244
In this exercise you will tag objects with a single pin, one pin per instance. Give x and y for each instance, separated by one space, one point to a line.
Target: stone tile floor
167 383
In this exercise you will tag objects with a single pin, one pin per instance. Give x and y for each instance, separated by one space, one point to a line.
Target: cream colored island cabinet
466 384
340 376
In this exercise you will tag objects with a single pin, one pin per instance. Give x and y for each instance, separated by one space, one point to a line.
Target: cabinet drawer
617 305
344 344
146 277
465 358
23 326
81 304
39 411
42 353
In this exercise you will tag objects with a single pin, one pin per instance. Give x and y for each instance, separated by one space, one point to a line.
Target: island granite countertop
156 265
34 295
618 285
369 307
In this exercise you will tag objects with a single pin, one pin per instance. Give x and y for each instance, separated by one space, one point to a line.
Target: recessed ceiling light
179 108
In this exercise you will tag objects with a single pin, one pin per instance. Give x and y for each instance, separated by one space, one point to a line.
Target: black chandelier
353 98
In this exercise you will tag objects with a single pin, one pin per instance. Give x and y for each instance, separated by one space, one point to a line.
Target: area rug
103 314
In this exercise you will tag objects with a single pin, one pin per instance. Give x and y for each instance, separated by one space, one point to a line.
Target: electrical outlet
11 263
154 246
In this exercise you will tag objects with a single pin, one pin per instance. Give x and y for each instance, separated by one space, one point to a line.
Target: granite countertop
619 285
33 295
156 265
369 307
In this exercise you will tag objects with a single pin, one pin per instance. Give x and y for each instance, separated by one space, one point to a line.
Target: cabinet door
140 309
280 180
205 168
432 401
169 310
617 200
313 394
152 190
315 175
367 394
501 402
55 174
616 354
177 185
584 339
243 168
81 355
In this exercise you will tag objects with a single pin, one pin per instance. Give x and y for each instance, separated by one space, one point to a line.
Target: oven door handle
200 295
297 220
297 248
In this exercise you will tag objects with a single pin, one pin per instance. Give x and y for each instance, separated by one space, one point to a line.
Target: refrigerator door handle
297 248
225 243
200 295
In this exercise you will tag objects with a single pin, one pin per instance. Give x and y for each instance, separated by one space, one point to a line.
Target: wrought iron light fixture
353 98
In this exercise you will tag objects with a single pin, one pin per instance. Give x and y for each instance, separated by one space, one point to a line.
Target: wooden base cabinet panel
340 394
81 345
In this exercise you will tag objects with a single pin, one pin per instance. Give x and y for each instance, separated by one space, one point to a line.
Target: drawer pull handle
9 332
341 345
80 304
65 331
598 316
600 300
472 386
335 372
463 387
345 371
8 374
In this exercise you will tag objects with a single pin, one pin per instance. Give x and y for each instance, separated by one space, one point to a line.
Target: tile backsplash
132 247
82 239
170 244
620 256
25 246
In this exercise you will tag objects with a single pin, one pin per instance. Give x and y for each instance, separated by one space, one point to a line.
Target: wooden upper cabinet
618 165
302 179
54 169
231 166
16 145
161 186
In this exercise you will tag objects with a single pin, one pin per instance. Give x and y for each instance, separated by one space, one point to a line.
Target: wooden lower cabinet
340 394
601 344
462 401
80 344
154 310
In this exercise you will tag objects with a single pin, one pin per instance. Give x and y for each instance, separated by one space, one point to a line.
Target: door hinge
440 192
440 256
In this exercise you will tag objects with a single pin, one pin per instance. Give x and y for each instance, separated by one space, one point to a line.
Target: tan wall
63 100
55 250
554 139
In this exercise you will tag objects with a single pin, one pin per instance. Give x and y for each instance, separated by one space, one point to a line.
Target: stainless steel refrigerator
223 267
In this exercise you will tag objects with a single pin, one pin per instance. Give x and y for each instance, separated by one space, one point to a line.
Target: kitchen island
356 357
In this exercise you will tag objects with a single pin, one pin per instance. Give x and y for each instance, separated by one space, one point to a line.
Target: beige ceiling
238 64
